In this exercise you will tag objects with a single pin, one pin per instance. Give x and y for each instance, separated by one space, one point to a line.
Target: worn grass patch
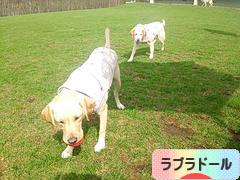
187 97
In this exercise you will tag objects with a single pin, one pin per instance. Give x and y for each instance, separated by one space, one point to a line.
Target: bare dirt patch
235 135
31 99
175 130
237 77
137 169
2 167
137 76
203 117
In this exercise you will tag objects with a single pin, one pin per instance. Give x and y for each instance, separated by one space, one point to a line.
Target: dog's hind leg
211 3
161 39
117 86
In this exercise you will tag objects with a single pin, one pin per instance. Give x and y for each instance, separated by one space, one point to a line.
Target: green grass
188 97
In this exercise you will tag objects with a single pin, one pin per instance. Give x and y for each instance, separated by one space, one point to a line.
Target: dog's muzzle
76 144
72 140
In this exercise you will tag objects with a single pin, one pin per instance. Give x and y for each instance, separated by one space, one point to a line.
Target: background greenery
230 3
187 97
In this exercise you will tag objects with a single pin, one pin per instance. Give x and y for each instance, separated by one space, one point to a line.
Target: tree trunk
195 2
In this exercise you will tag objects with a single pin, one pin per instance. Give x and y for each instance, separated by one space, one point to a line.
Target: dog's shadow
220 32
86 125
142 49
184 87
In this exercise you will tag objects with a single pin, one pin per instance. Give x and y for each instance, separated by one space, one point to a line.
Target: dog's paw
99 146
151 57
162 49
66 154
120 106
130 60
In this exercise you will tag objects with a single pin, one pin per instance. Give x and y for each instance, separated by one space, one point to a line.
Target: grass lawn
188 97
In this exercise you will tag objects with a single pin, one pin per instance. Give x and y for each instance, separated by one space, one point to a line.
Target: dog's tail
163 22
107 38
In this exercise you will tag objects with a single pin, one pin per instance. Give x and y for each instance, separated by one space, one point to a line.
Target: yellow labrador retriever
83 93
205 2
148 33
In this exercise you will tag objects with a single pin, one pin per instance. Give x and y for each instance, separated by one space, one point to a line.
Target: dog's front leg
67 152
133 51
102 132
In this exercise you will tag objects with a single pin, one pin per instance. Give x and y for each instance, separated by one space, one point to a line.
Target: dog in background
148 33
210 2
85 92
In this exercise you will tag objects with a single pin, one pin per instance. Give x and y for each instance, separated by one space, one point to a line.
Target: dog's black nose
72 140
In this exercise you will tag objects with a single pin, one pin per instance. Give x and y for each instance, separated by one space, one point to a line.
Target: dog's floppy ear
47 115
132 32
88 107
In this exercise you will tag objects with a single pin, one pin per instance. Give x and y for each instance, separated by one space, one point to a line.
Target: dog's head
138 33
67 112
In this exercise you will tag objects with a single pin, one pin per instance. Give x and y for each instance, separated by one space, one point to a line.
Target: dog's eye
61 122
76 118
